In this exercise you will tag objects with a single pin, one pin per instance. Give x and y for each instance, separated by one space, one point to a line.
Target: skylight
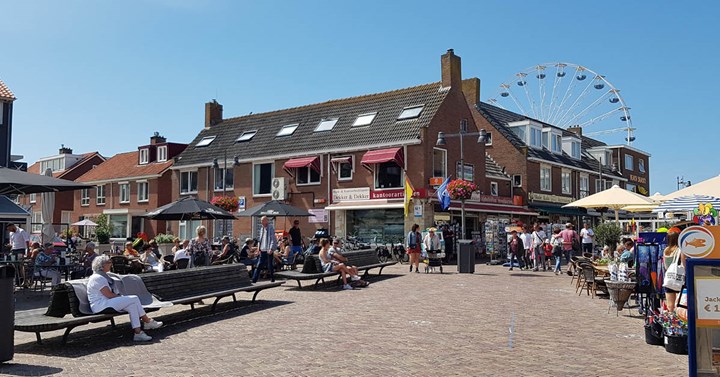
246 136
411 112
364 119
204 142
326 124
287 130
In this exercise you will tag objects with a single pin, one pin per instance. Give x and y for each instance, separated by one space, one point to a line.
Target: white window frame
365 119
494 189
576 151
100 199
537 132
246 136
546 139
309 175
84 197
189 191
556 143
352 169
410 112
629 166
204 142
144 156
272 171
547 187
287 130
326 124
224 173
37 222
140 191
488 139
566 181
586 179
162 153
33 198
126 186
445 162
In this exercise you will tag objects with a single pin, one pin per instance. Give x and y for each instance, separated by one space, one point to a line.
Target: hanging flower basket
461 189
228 203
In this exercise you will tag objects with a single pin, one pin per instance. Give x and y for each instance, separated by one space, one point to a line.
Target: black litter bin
466 257
7 312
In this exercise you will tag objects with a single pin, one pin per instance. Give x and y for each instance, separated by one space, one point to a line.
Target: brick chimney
157 139
64 149
451 72
471 90
213 113
577 130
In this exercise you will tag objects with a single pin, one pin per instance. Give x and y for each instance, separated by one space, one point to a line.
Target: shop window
224 176
376 224
545 178
119 226
388 175
262 178
188 182
439 163
307 176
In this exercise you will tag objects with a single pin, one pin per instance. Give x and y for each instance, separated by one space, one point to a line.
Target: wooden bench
364 260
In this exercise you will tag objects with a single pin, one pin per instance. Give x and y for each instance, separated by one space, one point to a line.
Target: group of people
532 248
415 241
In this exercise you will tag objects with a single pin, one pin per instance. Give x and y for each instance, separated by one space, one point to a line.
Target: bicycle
399 253
382 252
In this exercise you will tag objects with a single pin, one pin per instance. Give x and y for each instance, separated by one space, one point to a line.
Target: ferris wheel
567 95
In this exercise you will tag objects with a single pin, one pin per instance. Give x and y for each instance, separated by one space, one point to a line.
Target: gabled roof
493 170
124 165
500 118
35 168
5 93
385 130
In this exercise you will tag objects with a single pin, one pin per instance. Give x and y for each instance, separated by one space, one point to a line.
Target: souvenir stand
495 239
649 276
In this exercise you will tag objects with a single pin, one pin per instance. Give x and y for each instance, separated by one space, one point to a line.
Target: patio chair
289 262
182 264
120 264
589 282
169 262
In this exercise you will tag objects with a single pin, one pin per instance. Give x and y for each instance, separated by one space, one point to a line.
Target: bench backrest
357 258
177 284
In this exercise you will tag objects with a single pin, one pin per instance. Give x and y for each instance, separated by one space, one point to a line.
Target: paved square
403 324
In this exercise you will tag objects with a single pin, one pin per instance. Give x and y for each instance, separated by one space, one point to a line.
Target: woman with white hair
200 248
101 297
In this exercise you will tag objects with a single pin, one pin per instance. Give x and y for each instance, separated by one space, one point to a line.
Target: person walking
538 240
414 238
19 240
588 237
568 235
267 246
296 241
516 249
557 243
528 256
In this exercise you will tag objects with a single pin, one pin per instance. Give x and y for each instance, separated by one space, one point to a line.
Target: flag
408 195
443 195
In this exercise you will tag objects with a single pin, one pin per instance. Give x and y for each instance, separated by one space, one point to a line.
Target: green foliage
608 234
102 230
164 238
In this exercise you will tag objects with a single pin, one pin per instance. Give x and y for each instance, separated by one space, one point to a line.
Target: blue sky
102 75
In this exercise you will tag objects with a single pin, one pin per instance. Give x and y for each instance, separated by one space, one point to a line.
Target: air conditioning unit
517 180
278 188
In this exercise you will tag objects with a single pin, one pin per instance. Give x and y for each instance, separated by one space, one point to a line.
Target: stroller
433 260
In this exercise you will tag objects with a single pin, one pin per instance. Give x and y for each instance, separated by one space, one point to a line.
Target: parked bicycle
399 253
383 252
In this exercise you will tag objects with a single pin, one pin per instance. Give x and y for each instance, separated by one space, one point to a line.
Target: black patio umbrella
189 208
274 208
19 182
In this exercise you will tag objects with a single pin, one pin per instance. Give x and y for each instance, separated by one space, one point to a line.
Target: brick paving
401 325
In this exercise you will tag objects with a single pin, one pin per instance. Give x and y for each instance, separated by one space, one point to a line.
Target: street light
482 136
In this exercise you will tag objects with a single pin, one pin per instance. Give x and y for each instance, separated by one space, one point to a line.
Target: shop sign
321 216
241 203
536 197
420 193
635 178
700 242
360 193
436 181
418 210
476 196
387 194
643 190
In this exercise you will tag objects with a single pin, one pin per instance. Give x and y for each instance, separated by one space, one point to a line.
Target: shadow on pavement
28 299
91 341
536 275
331 284
11 369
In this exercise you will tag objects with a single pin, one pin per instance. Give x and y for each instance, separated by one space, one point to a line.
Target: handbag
575 244
675 274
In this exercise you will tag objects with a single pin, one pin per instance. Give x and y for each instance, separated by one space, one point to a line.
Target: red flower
228 203
460 189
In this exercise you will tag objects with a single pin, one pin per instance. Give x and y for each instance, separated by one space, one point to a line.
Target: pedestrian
431 242
414 238
538 240
569 235
588 237
528 256
516 249
19 240
557 243
296 241
449 237
200 248
267 246
670 256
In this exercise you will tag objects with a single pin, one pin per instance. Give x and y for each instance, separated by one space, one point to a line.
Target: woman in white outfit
101 297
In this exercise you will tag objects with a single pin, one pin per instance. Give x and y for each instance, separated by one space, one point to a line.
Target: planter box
165 248
676 344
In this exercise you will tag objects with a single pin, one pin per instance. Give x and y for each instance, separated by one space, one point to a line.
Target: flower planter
653 334
677 344
620 292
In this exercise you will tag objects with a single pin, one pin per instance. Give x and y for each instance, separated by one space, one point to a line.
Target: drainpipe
329 190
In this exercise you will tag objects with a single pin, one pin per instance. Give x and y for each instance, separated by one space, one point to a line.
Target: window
545 178
388 175
411 112
608 158
535 137
629 162
493 188
345 171
556 143
307 176
124 192
546 140
262 178
521 133
364 119
584 186
186 229
85 197
118 226
439 163
33 198
575 150
36 222
144 156
287 130
162 153
188 182
100 197
54 165
641 165
630 187
468 173
246 136
143 192
326 124
204 142
566 180
488 139
225 176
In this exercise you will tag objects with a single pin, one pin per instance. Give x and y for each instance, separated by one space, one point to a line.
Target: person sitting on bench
332 260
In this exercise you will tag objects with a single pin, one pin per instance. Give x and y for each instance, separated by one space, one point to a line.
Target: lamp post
216 166
482 135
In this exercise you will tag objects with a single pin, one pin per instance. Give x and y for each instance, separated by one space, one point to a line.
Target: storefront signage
387 194
360 193
321 216
536 197
420 193
635 178
707 299
436 181
476 196
418 210
643 190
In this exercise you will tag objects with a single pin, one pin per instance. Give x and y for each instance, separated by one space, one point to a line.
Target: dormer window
162 153
571 146
144 156
556 143
575 150
530 133
535 137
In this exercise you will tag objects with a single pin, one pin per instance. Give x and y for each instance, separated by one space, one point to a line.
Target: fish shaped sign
700 242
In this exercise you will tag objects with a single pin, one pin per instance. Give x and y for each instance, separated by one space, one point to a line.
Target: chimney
471 90
451 73
213 113
64 150
577 130
157 139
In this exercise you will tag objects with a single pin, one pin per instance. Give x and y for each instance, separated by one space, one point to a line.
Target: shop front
370 215
550 208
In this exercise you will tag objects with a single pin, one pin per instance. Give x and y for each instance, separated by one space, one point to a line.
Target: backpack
575 243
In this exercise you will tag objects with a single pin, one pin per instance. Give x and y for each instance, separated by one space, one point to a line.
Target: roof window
287 130
411 112
326 124
204 142
246 136
364 119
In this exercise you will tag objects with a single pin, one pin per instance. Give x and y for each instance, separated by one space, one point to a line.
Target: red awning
494 208
379 156
303 162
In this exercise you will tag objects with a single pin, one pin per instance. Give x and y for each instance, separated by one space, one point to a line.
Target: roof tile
5 92
123 165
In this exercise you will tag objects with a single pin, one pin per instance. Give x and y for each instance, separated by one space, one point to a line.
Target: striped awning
687 203
380 156
303 162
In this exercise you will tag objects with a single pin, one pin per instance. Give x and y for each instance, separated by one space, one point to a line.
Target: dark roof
499 118
385 129
493 170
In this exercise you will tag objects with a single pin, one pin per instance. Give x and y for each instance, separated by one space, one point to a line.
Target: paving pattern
492 323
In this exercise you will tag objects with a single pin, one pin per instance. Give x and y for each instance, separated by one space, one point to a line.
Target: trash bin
466 257
7 312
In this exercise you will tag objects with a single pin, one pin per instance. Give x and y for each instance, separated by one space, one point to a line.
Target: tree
608 234
102 230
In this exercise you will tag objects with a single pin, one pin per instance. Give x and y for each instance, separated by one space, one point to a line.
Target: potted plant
608 234
165 243
461 189
228 203
102 229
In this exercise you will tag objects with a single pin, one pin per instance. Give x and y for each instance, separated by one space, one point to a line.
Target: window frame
144 156
283 132
445 162
33 198
535 133
556 143
631 166
98 197
36 227
641 165
205 141
411 116
326 120
147 191
272 175
126 186
84 197
189 180
376 172
631 184
224 178
458 171
309 175
372 116
575 146
243 138
566 181
162 157
352 169
549 178
586 192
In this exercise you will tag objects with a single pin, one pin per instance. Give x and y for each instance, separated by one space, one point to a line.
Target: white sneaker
142 337
152 325
355 278
347 287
